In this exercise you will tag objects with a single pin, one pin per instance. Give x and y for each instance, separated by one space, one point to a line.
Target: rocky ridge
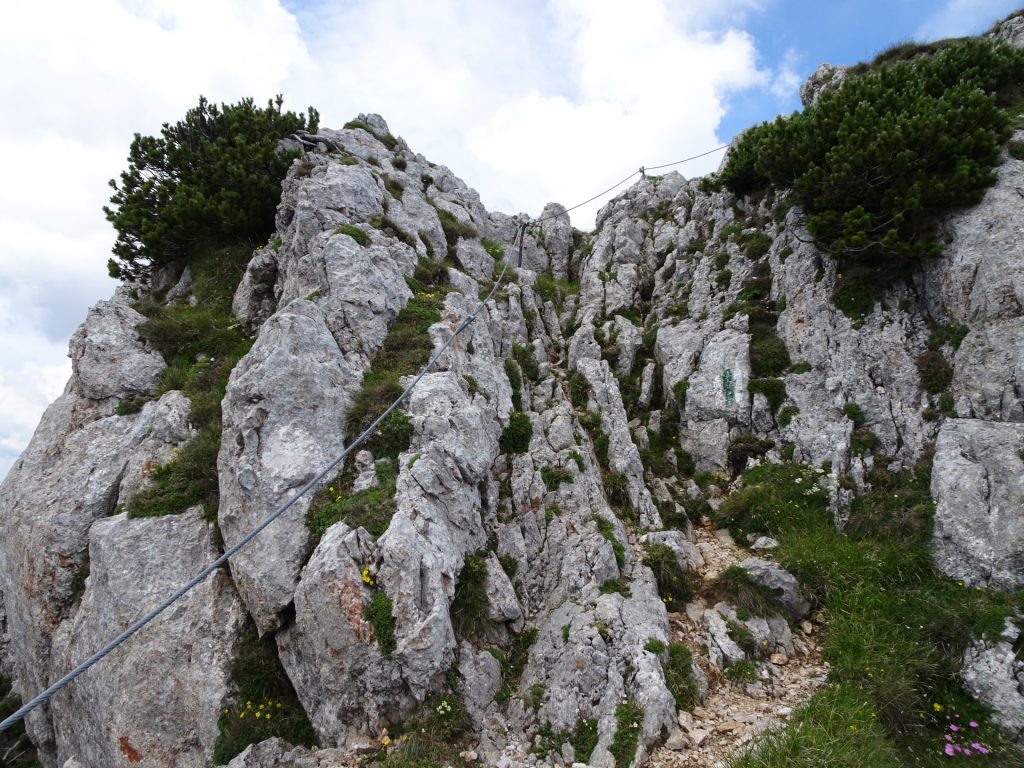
655 363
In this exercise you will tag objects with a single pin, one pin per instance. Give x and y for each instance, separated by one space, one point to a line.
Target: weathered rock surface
277 753
994 675
108 359
978 486
623 455
349 687
81 459
283 422
176 672
781 583
824 79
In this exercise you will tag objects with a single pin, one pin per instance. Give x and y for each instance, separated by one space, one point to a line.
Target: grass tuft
628 722
470 608
260 686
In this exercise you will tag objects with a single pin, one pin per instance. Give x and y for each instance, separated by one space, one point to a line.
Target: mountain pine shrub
213 177
875 162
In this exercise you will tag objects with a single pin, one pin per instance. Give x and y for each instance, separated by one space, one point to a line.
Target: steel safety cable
619 184
213 566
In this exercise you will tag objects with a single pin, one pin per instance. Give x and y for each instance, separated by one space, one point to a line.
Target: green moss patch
378 613
371 508
354 232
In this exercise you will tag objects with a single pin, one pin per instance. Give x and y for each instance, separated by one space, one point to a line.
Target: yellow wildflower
937 707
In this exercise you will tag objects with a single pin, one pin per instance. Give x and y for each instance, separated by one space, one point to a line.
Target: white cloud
81 79
786 80
957 18
645 92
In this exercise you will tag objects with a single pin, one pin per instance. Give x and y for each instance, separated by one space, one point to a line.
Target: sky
529 102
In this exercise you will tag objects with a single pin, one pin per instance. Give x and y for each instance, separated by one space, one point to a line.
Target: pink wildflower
949 749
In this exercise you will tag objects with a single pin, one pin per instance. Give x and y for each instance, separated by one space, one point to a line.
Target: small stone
784 711
685 720
765 542
698 735
806 627
779 658
677 741
702 713
724 537
695 610
365 747
469 755
728 726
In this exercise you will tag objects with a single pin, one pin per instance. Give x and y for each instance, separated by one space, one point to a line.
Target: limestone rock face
83 460
347 683
979 278
993 674
1010 30
277 753
623 455
107 356
176 672
978 486
283 422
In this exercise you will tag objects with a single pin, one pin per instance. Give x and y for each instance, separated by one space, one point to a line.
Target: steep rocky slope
525 582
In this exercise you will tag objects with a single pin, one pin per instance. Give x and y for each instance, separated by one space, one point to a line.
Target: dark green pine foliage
212 178
876 161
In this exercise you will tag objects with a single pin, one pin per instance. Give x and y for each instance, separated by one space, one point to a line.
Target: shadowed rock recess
542 584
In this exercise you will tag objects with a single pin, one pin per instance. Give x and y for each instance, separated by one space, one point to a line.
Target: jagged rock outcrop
703 335
83 460
824 79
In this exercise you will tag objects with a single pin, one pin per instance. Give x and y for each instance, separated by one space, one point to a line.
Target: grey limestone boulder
254 300
978 487
176 672
994 675
108 357
283 423
781 583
